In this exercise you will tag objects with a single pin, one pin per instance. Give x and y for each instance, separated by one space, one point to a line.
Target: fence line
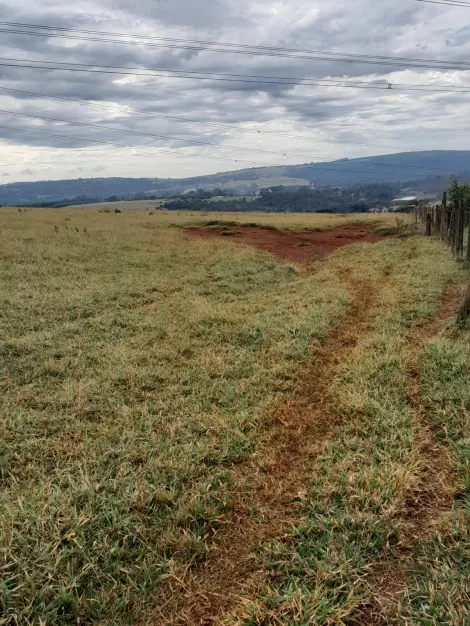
447 221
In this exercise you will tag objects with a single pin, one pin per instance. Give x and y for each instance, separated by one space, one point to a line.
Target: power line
381 84
232 45
192 121
252 50
259 165
154 136
105 69
195 41
447 2
384 84
319 169
121 145
107 128
276 80
152 73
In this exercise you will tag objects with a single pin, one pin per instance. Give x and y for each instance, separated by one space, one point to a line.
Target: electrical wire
384 84
226 44
107 128
193 121
249 78
139 72
120 145
318 56
224 47
447 2
316 165
89 68
154 136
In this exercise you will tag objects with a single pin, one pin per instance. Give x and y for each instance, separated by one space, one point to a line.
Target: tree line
355 198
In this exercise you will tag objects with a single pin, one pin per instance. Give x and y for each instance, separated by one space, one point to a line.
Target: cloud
388 119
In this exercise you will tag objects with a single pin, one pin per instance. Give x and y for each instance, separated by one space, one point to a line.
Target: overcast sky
391 120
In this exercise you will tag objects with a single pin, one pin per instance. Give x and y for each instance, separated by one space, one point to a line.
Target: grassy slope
135 372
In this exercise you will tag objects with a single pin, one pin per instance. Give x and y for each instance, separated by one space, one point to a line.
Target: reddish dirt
299 247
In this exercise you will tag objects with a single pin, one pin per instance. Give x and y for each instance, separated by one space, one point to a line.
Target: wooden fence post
438 220
450 218
444 217
468 246
428 224
451 236
460 230
465 308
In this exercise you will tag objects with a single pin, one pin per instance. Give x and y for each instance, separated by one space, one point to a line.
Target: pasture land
282 221
142 205
197 432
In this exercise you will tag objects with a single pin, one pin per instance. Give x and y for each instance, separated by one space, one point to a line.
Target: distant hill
391 168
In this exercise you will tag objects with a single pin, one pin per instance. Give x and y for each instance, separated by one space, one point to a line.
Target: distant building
405 199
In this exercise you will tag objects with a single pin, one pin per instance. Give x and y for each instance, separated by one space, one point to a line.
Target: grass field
283 221
194 432
141 205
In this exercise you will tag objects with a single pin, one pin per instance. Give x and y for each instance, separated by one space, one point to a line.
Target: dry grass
438 569
136 372
282 221
353 517
268 506
134 205
140 377
293 221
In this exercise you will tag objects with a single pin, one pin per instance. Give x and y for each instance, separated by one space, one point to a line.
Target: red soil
299 247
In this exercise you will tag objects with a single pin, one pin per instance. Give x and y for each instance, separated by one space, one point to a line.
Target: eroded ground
298 247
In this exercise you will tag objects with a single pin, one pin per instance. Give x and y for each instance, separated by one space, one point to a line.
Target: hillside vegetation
427 171
197 432
354 199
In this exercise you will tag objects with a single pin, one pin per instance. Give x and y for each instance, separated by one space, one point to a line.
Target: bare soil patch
298 247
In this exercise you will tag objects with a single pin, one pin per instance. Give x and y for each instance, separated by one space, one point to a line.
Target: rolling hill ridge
400 167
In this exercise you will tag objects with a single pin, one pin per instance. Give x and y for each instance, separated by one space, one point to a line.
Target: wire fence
447 221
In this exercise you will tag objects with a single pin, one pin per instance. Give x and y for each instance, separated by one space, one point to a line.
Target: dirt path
281 468
298 247
431 498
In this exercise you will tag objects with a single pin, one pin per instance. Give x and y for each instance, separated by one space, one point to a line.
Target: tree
460 193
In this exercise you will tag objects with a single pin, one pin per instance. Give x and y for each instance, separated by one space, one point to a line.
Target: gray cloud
404 119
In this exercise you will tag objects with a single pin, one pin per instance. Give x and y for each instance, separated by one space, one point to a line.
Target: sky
222 125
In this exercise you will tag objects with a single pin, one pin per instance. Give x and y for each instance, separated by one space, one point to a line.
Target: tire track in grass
267 511
431 498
